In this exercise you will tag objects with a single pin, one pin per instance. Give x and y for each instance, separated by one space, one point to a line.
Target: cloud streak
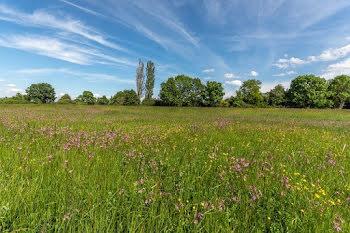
55 48
41 18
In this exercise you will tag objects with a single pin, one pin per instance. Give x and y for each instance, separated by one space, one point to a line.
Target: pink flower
196 222
336 227
121 192
66 217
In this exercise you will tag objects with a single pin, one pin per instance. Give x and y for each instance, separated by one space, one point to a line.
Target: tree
41 93
182 91
140 78
150 69
103 100
277 96
250 93
213 94
339 88
308 91
86 98
126 97
65 99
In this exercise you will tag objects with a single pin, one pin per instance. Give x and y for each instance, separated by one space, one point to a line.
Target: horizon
95 45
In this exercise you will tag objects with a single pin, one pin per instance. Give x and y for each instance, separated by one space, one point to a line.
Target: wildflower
317 196
302 210
121 192
269 218
66 217
202 204
336 227
196 222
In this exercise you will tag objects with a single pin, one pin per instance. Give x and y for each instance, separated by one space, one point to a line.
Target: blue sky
78 45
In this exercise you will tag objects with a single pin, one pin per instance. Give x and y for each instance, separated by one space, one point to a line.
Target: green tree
41 93
65 99
140 79
102 100
86 98
130 98
308 91
250 93
213 94
117 99
126 97
182 91
339 88
149 86
277 96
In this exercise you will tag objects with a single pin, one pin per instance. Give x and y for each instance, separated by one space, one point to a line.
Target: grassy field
148 169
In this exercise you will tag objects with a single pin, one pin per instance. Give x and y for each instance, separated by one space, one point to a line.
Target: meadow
74 168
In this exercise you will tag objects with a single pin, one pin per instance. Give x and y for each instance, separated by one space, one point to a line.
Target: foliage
17 99
213 94
182 91
65 99
41 93
126 97
277 96
149 86
151 169
308 91
140 79
102 100
250 93
86 98
339 88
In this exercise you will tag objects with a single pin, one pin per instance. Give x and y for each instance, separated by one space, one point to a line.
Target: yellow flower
202 204
302 210
194 207
268 218
179 199
317 196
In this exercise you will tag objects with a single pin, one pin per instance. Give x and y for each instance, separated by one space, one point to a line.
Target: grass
148 169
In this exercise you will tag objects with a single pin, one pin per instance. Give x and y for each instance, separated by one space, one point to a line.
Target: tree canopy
41 93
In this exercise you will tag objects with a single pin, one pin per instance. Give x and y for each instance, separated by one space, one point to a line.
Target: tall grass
148 169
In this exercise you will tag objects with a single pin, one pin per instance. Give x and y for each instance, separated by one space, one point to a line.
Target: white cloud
279 75
336 69
44 19
82 8
55 48
92 77
230 75
284 74
97 95
331 54
234 82
2 80
11 85
208 70
254 73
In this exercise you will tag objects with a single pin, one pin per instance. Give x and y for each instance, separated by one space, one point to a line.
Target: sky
78 45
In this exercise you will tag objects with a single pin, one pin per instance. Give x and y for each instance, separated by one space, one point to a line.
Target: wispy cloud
284 74
208 70
82 8
58 49
41 18
230 75
93 77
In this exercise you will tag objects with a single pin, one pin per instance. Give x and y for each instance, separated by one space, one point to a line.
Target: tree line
306 91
